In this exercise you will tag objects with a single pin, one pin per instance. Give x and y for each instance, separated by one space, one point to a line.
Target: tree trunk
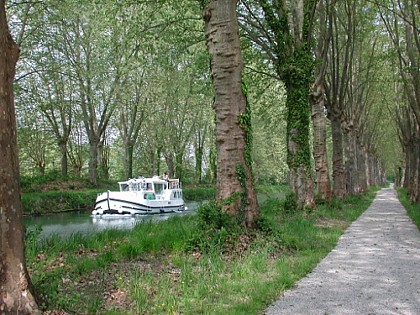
298 149
233 121
16 293
64 162
318 102
128 160
415 192
199 153
179 161
339 175
171 166
351 162
320 143
93 160
361 166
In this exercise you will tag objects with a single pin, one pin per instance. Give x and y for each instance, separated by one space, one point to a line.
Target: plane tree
16 292
235 186
284 31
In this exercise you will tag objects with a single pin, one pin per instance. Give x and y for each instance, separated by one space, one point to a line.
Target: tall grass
159 268
413 209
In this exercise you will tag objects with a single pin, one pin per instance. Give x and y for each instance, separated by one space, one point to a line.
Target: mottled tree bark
361 166
339 175
233 138
298 151
318 99
16 293
320 144
351 155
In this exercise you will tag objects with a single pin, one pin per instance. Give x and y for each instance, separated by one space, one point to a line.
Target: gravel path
373 270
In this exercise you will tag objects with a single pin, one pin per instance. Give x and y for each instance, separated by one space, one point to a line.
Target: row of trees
97 81
348 62
401 22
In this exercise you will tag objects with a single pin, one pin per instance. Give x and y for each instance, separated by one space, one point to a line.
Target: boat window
149 186
149 196
158 188
123 187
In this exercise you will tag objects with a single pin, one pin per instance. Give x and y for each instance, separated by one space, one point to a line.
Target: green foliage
199 193
245 122
215 229
32 241
29 181
290 203
58 201
243 179
413 209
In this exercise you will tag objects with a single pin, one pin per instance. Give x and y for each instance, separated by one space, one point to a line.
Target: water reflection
66 224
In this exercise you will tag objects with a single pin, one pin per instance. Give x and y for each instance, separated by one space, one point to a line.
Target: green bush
216 230
58 201
199 194
290 203
413 209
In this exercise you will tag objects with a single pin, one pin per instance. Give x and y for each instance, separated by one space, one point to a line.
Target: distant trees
16 293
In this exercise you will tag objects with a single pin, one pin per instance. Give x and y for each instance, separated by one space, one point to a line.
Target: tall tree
336 85
233 115
318 100
16 293
284 29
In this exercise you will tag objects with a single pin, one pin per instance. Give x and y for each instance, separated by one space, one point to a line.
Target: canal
68 223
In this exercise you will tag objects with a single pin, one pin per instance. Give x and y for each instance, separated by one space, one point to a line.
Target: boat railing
174 183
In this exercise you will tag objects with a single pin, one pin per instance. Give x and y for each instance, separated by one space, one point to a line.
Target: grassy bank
413 209
167 268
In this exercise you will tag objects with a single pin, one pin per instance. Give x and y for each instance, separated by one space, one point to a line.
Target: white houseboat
142 196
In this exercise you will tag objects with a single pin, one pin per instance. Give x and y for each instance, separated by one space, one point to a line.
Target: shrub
216 230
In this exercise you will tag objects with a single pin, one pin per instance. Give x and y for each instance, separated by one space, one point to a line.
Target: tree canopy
114 89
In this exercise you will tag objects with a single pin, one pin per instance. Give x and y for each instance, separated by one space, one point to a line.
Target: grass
413 209
157 269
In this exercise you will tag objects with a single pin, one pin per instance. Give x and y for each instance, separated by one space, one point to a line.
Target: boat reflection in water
127 222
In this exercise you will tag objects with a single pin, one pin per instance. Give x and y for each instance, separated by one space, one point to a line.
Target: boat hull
134 204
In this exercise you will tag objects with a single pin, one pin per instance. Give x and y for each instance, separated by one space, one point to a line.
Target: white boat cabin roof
149 183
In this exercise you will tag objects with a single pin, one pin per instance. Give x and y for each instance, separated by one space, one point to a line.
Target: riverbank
182 266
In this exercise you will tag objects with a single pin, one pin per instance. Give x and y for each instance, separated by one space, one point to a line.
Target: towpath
373 270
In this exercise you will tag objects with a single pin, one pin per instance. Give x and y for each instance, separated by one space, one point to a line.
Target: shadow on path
374 269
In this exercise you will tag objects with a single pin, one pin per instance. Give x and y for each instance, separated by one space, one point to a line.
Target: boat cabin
157 185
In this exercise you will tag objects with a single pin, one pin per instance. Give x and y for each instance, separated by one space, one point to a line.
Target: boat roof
154 179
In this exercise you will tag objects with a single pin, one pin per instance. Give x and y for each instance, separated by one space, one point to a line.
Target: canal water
68 223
